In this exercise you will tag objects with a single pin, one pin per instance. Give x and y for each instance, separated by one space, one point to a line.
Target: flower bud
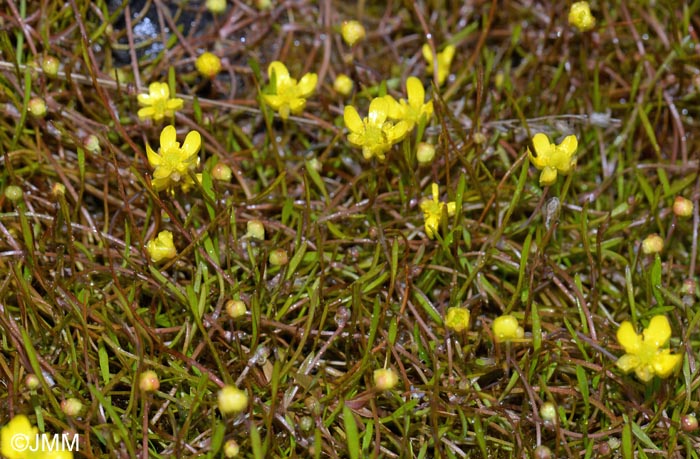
208 64
71 407
58 190
548 412
352 32
343 84
222 172
216 6
652 244
682 207
231 448
31 381
279 257
255 230
542 452
506 328
232 400
235 308
92 144
425 152
148 381
13 193
50 66
689 423
385 378
688 287
37 107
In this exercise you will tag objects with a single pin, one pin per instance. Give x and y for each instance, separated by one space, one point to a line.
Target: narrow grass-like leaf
351 433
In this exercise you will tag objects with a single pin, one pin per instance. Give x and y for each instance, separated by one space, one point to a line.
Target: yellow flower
375 135
289 96
158 103
506 328
208 64
643 353
352 32
172 163
16 437
432 212
444 60
162 247
20 440
550 158
414 110
580 16
457 319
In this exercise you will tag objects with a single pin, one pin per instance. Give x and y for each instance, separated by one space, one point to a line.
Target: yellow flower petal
307 85
628 362
159 90
397 132
543 150
628 338
168 138
435 191
427 54
296 106
353 121
378 111
394 109
277 71
153 158
356 139
174 104
658 332
448 53
415 92
665 363
144 99
432 225
273 100
548 176
569 145
146 112
192 143
644 373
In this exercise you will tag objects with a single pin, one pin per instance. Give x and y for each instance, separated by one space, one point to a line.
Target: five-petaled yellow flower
162 247
158 103
552 159
444 60
432 212
172 163
580 16
20 440
375 135
413 110
289 96
644 353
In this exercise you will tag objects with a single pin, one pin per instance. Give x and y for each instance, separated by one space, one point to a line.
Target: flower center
374 135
